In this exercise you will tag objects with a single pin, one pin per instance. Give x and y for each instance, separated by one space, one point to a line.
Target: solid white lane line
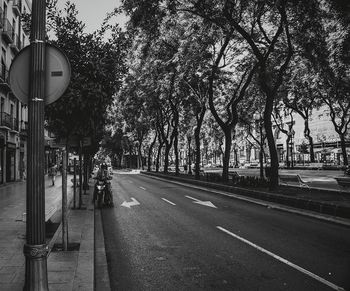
166 200
300 269
142 188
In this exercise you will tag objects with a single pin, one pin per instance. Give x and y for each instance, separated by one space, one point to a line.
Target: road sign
57 74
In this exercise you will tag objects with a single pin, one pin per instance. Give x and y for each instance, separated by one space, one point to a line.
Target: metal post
35 249
64 202
80 174
74 182
189 155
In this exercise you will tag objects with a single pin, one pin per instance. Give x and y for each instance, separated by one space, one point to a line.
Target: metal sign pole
64 202
35 249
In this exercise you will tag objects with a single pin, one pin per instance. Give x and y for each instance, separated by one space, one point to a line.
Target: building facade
13 114
326 141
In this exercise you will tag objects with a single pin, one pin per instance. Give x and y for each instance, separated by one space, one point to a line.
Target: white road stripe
195 199
166 200
142 188
312 275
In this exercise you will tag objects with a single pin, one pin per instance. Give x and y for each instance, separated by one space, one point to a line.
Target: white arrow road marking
142 188
132 203
300 269
166 200
204 203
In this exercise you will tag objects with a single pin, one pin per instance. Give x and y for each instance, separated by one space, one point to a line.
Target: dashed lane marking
166 200
300 269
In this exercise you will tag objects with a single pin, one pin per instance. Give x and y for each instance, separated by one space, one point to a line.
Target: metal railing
4 73
9 121
6 120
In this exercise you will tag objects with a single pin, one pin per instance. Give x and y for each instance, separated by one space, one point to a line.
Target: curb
101 274
278 202
59 228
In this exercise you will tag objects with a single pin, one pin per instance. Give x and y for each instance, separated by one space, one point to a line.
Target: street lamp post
35 249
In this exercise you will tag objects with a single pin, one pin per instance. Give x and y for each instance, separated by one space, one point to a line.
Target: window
12 110
2 105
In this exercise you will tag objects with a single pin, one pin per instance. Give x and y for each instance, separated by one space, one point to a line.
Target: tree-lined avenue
182 246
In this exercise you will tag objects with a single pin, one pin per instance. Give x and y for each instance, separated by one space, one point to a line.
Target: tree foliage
97 68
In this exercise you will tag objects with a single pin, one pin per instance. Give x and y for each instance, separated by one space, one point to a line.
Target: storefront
10 162
2 149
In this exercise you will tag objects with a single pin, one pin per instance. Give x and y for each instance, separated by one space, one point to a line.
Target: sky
92 12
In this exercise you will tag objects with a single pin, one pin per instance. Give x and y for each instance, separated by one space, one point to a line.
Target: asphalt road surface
162 236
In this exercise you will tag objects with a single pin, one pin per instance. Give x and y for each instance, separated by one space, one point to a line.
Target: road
162 236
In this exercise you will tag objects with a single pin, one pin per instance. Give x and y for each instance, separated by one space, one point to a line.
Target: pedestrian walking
53 173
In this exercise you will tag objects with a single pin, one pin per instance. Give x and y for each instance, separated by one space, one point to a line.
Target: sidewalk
72 270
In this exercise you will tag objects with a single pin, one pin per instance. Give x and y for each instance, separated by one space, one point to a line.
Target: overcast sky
92 12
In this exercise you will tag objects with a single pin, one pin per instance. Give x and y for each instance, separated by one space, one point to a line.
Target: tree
326 46
264 27
302 96
97 68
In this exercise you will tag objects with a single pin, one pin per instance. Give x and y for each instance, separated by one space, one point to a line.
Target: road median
332 203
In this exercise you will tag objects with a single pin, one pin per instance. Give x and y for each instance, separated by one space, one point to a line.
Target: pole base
36 268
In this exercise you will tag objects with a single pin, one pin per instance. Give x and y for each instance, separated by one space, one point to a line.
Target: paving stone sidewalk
66 270
74 270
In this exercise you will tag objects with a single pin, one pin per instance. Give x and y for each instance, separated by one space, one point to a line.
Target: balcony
6 120
17 6
16 46
4 74
7 31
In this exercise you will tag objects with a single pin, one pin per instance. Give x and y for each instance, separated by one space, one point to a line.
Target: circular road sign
57 74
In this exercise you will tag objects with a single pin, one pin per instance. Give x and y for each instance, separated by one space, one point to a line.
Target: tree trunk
273 175
310 139
343 149
197 132
227 153
176 151
189 155
287 152
166 157
150 150
236 157
158 156
139 156
197 153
